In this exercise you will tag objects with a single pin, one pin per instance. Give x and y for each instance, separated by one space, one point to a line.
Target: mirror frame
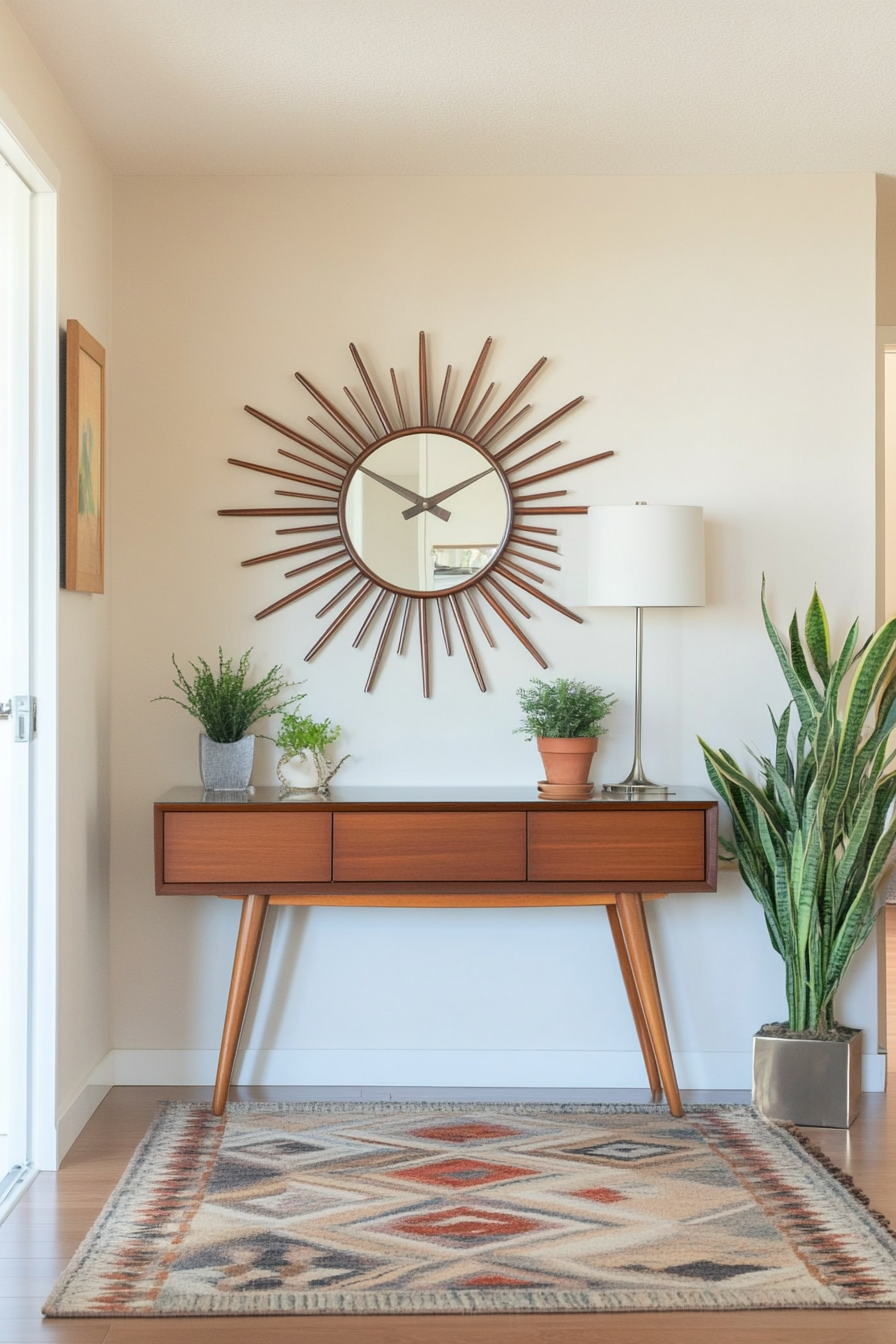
502 583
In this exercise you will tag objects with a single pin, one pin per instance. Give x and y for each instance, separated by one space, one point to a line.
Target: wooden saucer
546 790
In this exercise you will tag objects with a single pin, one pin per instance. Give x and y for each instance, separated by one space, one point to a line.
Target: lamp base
628 787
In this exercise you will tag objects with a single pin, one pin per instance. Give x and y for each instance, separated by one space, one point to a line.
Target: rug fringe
842 1177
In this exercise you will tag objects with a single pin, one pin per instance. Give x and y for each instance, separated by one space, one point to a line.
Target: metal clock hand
423 504
408 494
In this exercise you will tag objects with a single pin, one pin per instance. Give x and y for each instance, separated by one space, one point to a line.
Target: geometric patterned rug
328 1207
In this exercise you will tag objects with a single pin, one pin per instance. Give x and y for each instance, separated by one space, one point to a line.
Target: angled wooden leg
244 959
637 942
634 1002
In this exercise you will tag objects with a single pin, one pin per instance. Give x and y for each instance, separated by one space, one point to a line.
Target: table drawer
429 847
256 848
667 846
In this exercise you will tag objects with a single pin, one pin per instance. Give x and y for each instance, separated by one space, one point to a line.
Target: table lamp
644 555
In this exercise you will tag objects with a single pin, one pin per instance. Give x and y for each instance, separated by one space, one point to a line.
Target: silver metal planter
808 1082
226 765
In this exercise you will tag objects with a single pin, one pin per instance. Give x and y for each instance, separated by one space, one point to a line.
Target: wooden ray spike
340 620
517 391
545 494
512 625
558 471
508 597
305 588
533 559
371 391
332 411
374 432
444 396
321 560
405 625
473 418
301 494
530 527
424 405
503 429
401 415
423 617
561 508
483 625
542 424
370 618
284 475
319 527
542 597
471 385
511 564
327 471
440 607
332 437
298 438
275 513
530 541
466 640
292 550
383 643
346 588
518 466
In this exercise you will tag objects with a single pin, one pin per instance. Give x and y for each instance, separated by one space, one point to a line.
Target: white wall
722 330
52 132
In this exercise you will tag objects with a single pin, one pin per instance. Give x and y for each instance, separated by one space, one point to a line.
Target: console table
441 847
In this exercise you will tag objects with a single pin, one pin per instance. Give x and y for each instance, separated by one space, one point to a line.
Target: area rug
325 1207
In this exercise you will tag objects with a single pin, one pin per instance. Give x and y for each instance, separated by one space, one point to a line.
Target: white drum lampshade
646 555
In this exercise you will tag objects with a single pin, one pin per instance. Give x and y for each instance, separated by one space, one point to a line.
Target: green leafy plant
812 836
563 708
304 736
223 703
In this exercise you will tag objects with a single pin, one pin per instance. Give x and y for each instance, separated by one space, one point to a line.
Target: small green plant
812 836
563 708
303 736
223 703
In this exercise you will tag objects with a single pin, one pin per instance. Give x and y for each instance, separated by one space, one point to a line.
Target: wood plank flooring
43 1231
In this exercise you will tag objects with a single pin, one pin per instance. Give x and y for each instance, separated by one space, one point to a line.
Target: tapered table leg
637 942
247 944
634 1002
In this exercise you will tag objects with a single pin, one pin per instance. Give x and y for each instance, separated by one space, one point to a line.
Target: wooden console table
441 847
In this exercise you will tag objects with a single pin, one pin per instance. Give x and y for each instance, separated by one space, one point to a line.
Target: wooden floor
42 1232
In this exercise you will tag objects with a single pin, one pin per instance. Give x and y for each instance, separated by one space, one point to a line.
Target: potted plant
564 717
226 707
300 738
811 839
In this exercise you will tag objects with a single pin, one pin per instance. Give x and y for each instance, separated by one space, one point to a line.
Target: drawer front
617 846
255 848
429 847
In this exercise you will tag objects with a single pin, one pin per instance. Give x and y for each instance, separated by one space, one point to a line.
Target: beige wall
722 330
84 627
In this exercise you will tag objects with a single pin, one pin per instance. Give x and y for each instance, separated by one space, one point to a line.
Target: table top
511 797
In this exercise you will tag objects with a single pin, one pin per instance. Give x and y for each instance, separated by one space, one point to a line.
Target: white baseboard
81 1106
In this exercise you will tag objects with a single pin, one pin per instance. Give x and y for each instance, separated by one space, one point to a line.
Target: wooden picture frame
85 461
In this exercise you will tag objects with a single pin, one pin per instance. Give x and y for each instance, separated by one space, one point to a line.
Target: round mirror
425 512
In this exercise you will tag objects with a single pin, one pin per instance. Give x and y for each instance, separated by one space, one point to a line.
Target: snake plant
812 836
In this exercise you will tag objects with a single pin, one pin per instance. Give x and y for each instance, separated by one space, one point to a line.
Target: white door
15 669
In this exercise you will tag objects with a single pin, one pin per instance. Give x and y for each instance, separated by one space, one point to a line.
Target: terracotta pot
567 760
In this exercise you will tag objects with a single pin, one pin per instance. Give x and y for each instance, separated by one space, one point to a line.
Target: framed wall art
85 461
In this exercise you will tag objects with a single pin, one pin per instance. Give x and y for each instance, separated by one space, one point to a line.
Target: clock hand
443 494
408 494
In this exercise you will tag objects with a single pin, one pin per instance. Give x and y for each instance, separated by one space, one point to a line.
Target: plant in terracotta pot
301 737
226 708
811 839
565 718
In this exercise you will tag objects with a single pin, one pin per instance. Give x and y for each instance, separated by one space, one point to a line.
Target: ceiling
477 86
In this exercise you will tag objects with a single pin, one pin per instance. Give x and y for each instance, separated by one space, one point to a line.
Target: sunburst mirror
420 518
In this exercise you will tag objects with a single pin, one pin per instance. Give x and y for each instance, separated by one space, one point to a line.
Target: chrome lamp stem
636 781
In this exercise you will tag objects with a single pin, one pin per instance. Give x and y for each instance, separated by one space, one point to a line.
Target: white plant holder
308 772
